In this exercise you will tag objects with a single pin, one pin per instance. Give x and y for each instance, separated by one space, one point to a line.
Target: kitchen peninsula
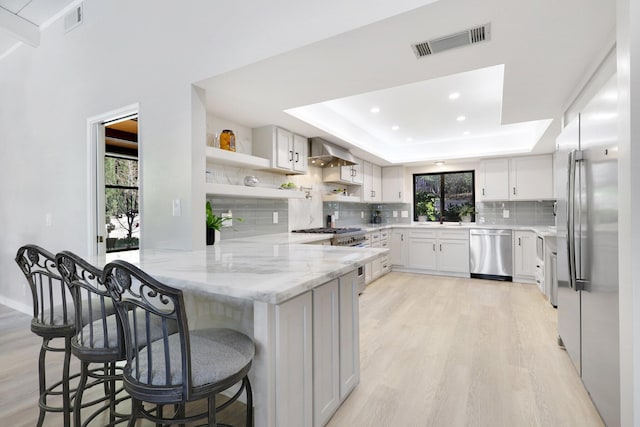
298 302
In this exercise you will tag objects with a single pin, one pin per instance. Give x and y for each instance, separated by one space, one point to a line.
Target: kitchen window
443 195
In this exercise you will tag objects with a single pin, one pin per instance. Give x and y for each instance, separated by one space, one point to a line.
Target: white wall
146 52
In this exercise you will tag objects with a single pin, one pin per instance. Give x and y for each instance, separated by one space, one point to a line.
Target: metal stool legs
53 390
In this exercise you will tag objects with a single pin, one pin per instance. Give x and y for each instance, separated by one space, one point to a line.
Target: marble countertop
542 230
253 270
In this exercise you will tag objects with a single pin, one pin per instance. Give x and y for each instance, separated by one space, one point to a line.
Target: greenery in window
121 203
446 195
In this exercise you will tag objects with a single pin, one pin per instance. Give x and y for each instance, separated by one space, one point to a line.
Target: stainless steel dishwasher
490 254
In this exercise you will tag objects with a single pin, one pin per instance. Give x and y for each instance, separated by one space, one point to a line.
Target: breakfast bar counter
286 297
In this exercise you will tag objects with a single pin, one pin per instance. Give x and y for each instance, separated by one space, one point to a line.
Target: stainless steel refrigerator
586 175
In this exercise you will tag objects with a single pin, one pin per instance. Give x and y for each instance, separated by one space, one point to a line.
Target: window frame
441 195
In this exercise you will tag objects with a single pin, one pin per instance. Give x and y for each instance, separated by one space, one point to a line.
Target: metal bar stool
53 317
181 367
97 339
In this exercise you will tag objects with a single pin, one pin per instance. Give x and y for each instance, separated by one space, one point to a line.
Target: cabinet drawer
454 234
374 237
422 234
384 234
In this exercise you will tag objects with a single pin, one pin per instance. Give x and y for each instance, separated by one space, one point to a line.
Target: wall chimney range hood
325 154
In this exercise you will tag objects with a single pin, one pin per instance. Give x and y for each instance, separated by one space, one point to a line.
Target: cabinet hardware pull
291 154
483 191
434 247
399 194
297 157
514 191
519 242
440 247
402 237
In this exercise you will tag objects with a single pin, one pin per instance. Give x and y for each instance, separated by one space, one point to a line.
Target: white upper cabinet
286 151
493 177
518 178
531 178
350 175
393 185
372 184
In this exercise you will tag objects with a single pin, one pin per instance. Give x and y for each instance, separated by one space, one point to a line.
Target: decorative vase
422 218
465 218
211 236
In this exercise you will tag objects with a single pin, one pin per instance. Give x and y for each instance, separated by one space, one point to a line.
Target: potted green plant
426 210
466 212
214 224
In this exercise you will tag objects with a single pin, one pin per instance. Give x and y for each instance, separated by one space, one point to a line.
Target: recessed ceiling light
375 110
395 127
454 95
466 132
439 163
409 139
461 118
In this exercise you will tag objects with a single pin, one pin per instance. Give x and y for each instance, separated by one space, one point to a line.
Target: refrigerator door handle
576 284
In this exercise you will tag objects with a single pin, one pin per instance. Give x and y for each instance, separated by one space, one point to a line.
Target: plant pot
211 236
465 218
422 218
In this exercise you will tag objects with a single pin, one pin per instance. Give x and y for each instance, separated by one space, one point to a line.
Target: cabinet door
422 253
453 256
326 350
376 183
294 394
531 178
368 194
494 179
393 185
284 148
349 334
376 264
300 153
346 173
398 251
524 254
357 177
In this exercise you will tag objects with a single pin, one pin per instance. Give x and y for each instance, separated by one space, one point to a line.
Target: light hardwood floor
446 352
435 351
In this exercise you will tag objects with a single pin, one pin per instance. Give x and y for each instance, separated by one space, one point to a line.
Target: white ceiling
22 20
511 87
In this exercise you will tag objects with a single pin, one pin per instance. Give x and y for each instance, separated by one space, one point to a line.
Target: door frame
95 138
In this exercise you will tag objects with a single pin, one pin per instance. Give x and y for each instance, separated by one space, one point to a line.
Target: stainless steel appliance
341 236
587 263
490 254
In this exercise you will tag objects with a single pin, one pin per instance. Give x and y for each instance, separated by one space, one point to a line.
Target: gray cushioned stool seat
216 354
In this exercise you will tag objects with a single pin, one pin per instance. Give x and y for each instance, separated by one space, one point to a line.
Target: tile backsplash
359 213
520 213
257 215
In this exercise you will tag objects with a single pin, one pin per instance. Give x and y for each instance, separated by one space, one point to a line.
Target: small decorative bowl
251 181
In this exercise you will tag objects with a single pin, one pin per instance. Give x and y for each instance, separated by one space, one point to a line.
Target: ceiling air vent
452 41
73 18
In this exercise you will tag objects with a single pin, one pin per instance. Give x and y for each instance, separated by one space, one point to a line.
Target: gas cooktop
325 230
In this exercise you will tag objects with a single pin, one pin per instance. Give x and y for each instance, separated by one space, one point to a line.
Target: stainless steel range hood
325 154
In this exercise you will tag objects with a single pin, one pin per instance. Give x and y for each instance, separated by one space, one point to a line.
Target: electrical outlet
275 217
505 213
404 214
229 221
361 214
395 214
48 220
176 207
336 216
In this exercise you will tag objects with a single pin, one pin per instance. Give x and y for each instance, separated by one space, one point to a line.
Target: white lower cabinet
326 353
524 256
381 265
336 345
293 362
438 251
398 247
